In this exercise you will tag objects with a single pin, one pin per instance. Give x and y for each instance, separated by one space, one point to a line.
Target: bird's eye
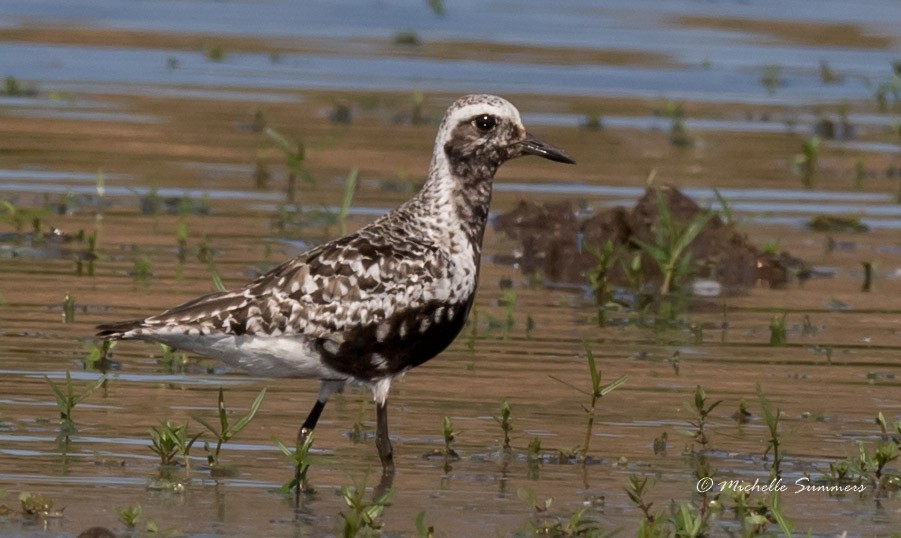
485 122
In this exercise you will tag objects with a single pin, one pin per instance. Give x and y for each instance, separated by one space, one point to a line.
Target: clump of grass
300 459
702 410
670 247
449 435
89 254
12 87
774 443
215 53
98 356
170 441
37 505
574 524
68 308
362 516
67 399
350 187
598 278
637 489
771 78
593 121
173 361
778 330
827 75
678 134
227 431
407 38
807 161
506 423
130 515
295 156
421 530
142 272
595 393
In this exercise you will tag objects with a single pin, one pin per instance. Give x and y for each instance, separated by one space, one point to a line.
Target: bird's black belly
411 337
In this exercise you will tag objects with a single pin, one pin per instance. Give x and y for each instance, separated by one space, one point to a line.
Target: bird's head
486 130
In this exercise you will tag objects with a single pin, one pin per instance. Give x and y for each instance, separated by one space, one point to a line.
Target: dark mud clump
563 247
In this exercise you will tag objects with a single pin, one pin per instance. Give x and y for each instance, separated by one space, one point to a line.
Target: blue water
709 65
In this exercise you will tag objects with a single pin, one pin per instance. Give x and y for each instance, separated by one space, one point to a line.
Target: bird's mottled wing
351 282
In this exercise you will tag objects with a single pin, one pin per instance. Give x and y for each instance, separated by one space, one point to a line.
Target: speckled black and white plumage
371 305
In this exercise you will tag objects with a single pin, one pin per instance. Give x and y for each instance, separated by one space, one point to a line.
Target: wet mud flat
137 165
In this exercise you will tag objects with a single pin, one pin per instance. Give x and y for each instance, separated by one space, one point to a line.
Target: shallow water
179 145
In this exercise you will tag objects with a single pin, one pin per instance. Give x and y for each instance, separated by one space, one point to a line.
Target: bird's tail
120 329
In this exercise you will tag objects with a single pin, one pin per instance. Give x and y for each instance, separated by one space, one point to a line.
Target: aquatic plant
670 247
68 308
636 490
169 441
17 217
598 277
295 155
129 515
142 272
421 530
595 393
407 38
437 7
226 432
678 134
827 75
37 505
362 518
67 399
97 357
350 187
774 443
89 254
506 423
181 239
806 162
449 435
867 285
300 459
702 410
771 77
778 330
215 53
12 87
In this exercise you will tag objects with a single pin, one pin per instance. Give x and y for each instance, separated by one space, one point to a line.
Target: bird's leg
307 427
386 453
382 442
306 430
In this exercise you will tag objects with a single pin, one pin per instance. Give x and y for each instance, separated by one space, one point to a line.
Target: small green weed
778 330
670 247
226 432
300 459
67 399
506 423
362 517
774 443
595 393
170 441
350 187
129 515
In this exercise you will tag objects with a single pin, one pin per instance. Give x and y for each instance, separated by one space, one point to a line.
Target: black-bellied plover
367 307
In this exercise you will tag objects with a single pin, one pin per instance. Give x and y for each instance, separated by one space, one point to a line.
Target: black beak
533 146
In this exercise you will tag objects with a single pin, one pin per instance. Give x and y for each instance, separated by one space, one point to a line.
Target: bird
367 307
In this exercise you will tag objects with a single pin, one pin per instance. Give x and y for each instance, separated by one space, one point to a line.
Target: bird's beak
533 146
